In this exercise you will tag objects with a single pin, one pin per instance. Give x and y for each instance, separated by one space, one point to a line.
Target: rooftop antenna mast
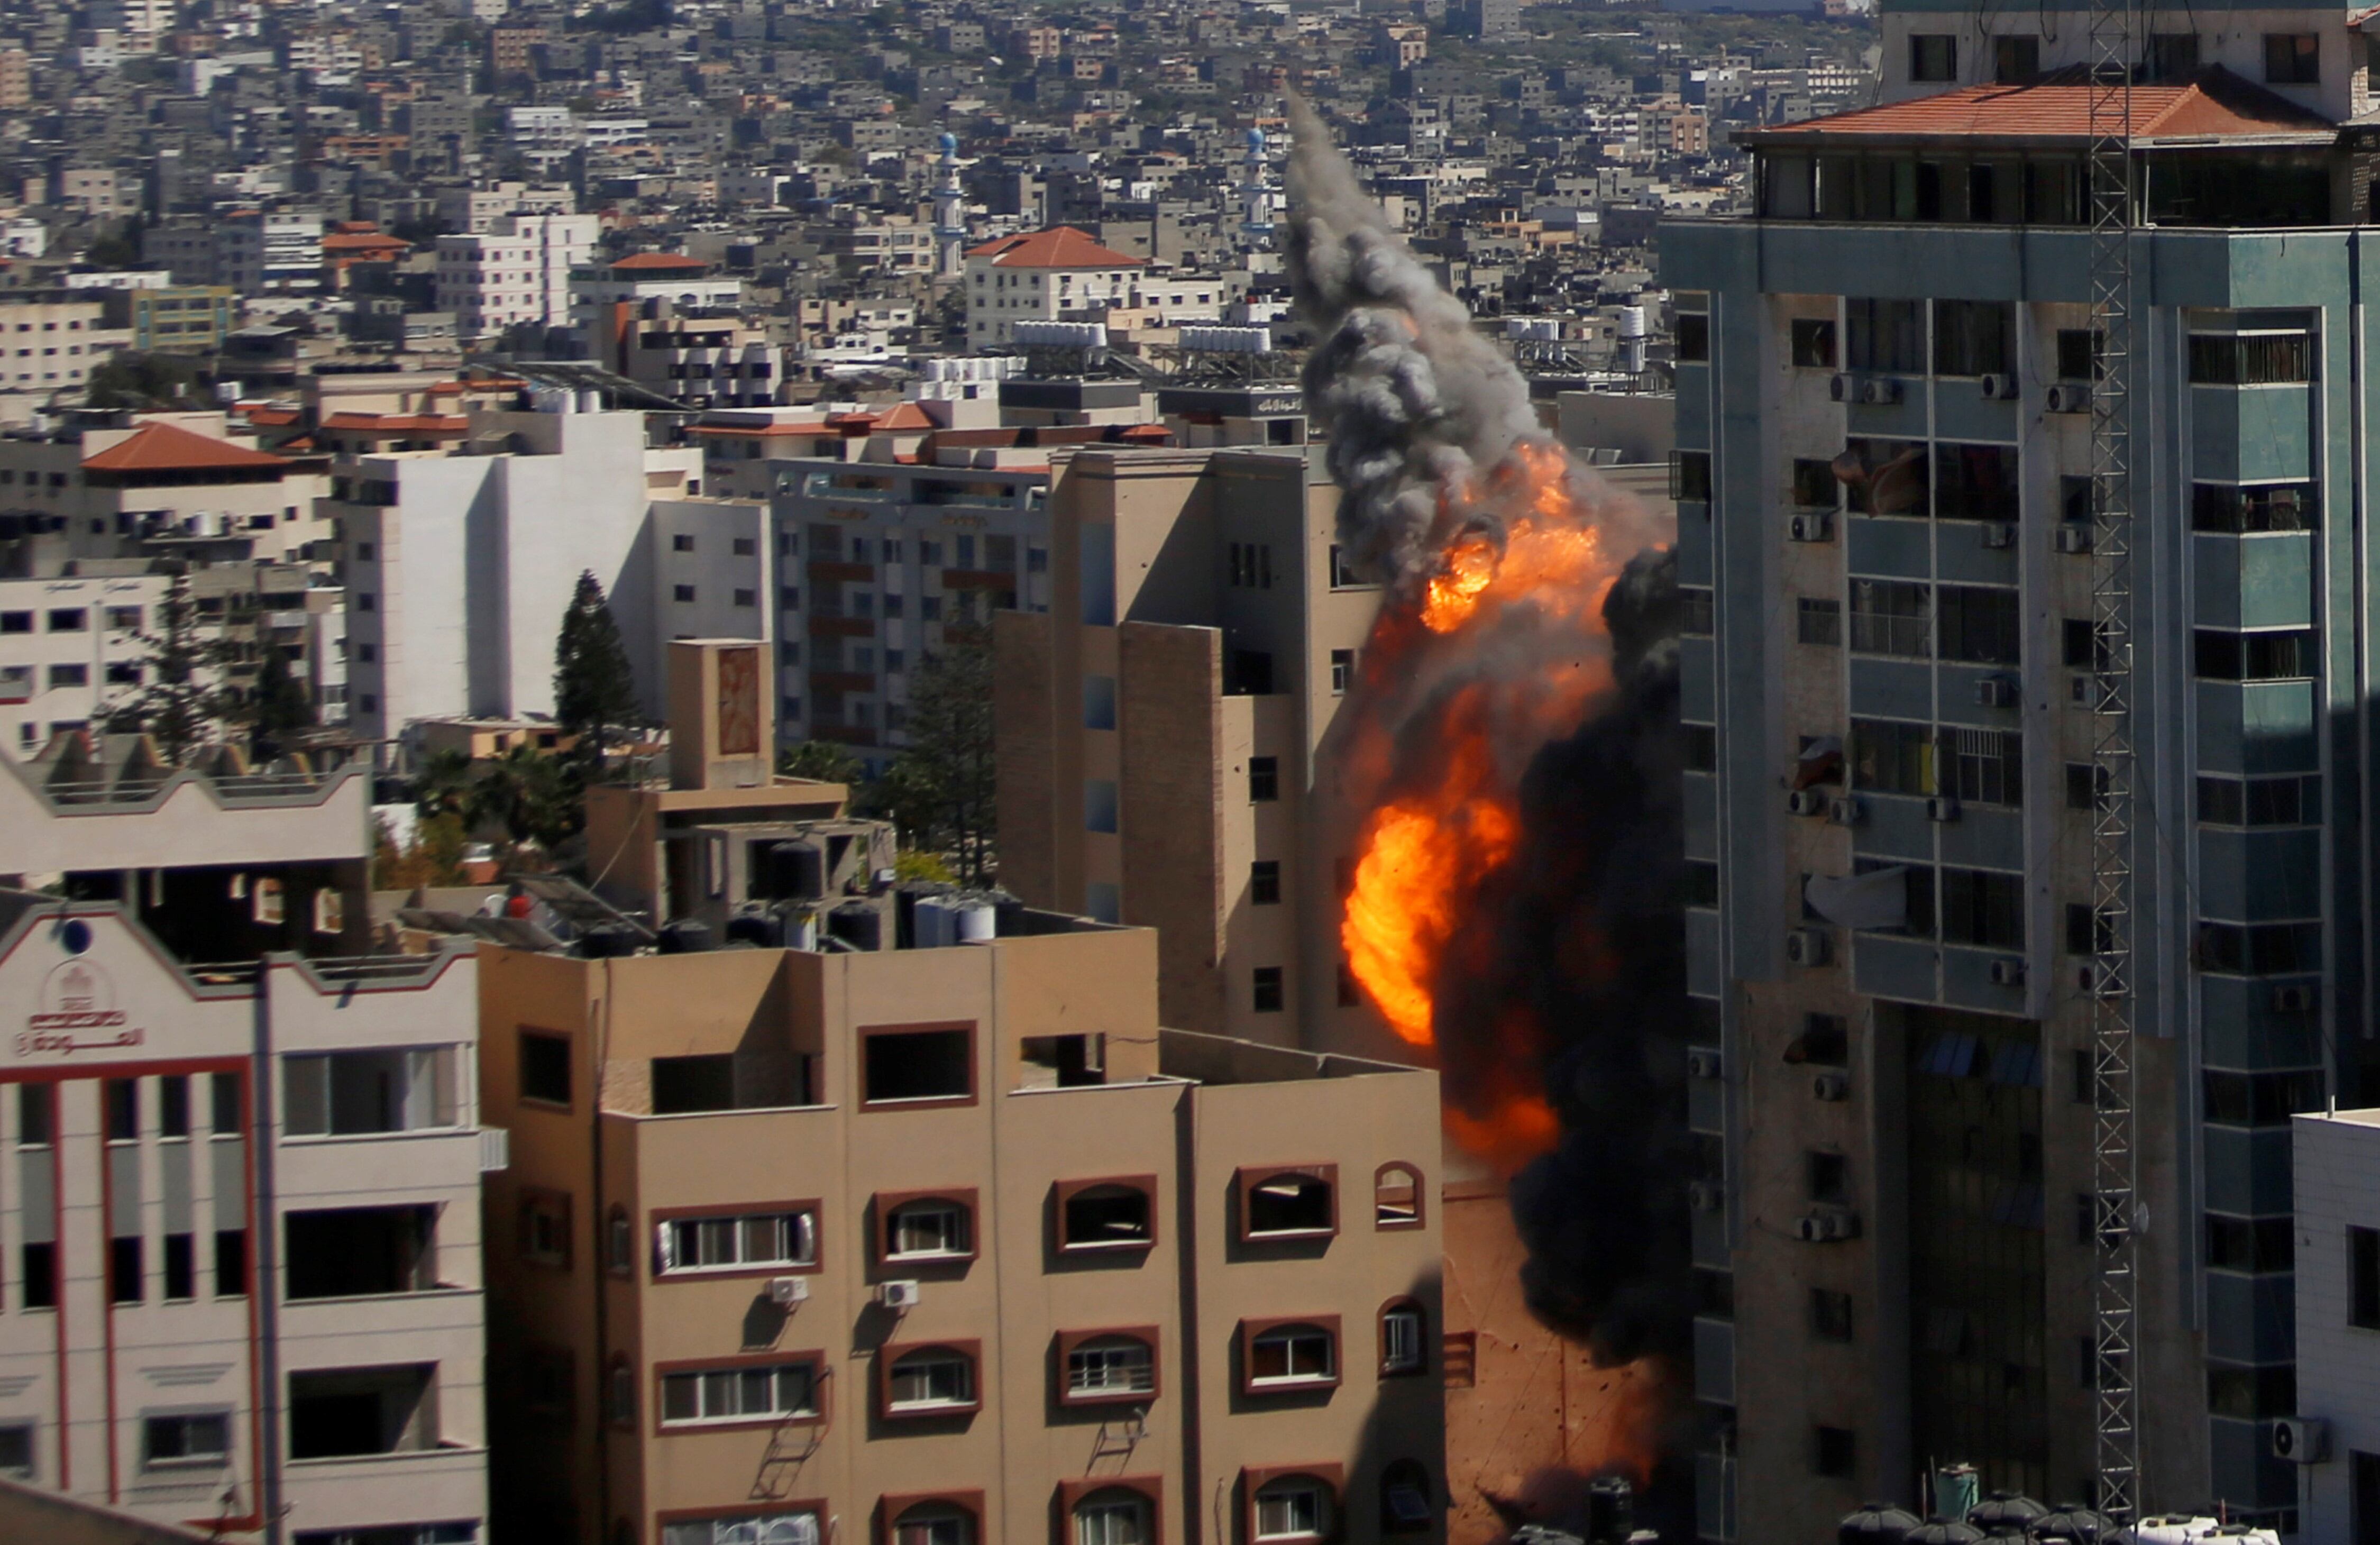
2115 1155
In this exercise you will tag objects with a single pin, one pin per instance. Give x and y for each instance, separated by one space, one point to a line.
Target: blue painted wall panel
1890 549
1891 689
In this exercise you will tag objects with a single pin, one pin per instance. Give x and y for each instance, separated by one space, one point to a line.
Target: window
932 1523
1814 486
125 1278
1813 343
2173 56
1397 1197
2289 801
2292 59
1701 751
1281 1356
931 1228
683 593
1265 990
1251 564
1100 797
16 622
2251 358
1893 616
195 1441
1264 882
1971 338
2230 508
1693 337
682 543
1287 1202
348 1093
1819 621
2364 1278
2079 350
231 1263
1344 576
1834 1451
2250 1244
742 1393
1980 624
1106 1215
1403 1332
1694 602
929 1381
2280 655
902 1067
68 619
1114 1515
1690 477
1295 1507
120 1098
16 1450
1975 483
1099 702
1886 477
2261 1099
775 1239
1932 56
796 1526
1103 1366
2084 782
1887 335
1983 766
124 619
1983 907
741 547
348 1252
2015 61
2266 949
1830 1315
1264 779
1343 669
69 676
2252 1393
545 1067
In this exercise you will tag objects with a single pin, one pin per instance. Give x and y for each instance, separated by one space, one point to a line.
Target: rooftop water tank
1874 1524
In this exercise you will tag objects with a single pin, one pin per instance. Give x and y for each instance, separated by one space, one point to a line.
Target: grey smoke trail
1414 400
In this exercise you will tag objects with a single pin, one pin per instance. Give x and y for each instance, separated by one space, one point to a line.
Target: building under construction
2021 478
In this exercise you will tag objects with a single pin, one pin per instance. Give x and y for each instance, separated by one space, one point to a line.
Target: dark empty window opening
1828 1177
1264 778
1066 1061
1824 1042
1264 882
1813 341
1105 1216
2364 1278
1932 56
1830 1315
545 1067
366 1410
1835 1451
1266 987
684 1085
919 1064
354 1251
2015 61
1289 1203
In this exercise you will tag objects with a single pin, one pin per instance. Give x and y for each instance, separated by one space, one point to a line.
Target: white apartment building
477 210
52 345
253 251
1062 274
242 1232
517 272
458 566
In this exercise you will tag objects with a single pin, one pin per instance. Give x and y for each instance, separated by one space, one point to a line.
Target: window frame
892 1506
892 1352
530 1199
884 1204
149 1461
522 1034
1067 1342
821 1391
1331 1479
662 1217
1251 1329
974 1094
817 1507
1065 1191
1074 1492
1245 1182
1404 1305
1420 1218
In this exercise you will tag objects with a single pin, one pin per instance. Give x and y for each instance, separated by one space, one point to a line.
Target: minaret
950 213
1255 228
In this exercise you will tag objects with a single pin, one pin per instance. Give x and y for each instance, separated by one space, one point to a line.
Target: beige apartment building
933 1235
240 1253
1161 721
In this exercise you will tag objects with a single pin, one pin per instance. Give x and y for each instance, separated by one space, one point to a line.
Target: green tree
825 761
944 781
280 707
594 693
182 703
532 796
131 379
443 786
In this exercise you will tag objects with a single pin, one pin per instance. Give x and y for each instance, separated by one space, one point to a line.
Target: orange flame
1424 854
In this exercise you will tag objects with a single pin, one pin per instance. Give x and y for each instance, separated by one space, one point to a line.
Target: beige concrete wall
1025 688
1173 788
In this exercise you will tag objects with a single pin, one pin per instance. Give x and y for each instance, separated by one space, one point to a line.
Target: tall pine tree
182 702
594 694
944 782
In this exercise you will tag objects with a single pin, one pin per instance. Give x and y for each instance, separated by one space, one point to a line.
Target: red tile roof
364 241
2215 106
903 416
1059 247
659 263
160 447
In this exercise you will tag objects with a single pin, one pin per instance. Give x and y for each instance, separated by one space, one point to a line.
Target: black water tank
608 941
860 927
1610 1510
1875 1524
685 936
2005 1513
765 929
1943 1531
2073 1524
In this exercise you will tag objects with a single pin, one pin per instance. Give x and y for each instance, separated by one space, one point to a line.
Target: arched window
928 1228
1101 1366
934 1523
1114 1515
1301 1202
1404 1497
1405 1344
1291 1507
1107 1214
1291 1355
1396 1196
929 1381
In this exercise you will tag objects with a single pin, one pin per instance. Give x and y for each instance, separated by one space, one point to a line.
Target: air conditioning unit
1807 946
1999 388
2068 397
2007 973
1999 533
1942 806
2294 998
1881 390
1846 812
2074 537
785 1291
1843 388
1996 691
1705 1196
1828 1225
1806 801
2301 1440
1812 526
1831 1085
902 1295
1811 1230
1703 1062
